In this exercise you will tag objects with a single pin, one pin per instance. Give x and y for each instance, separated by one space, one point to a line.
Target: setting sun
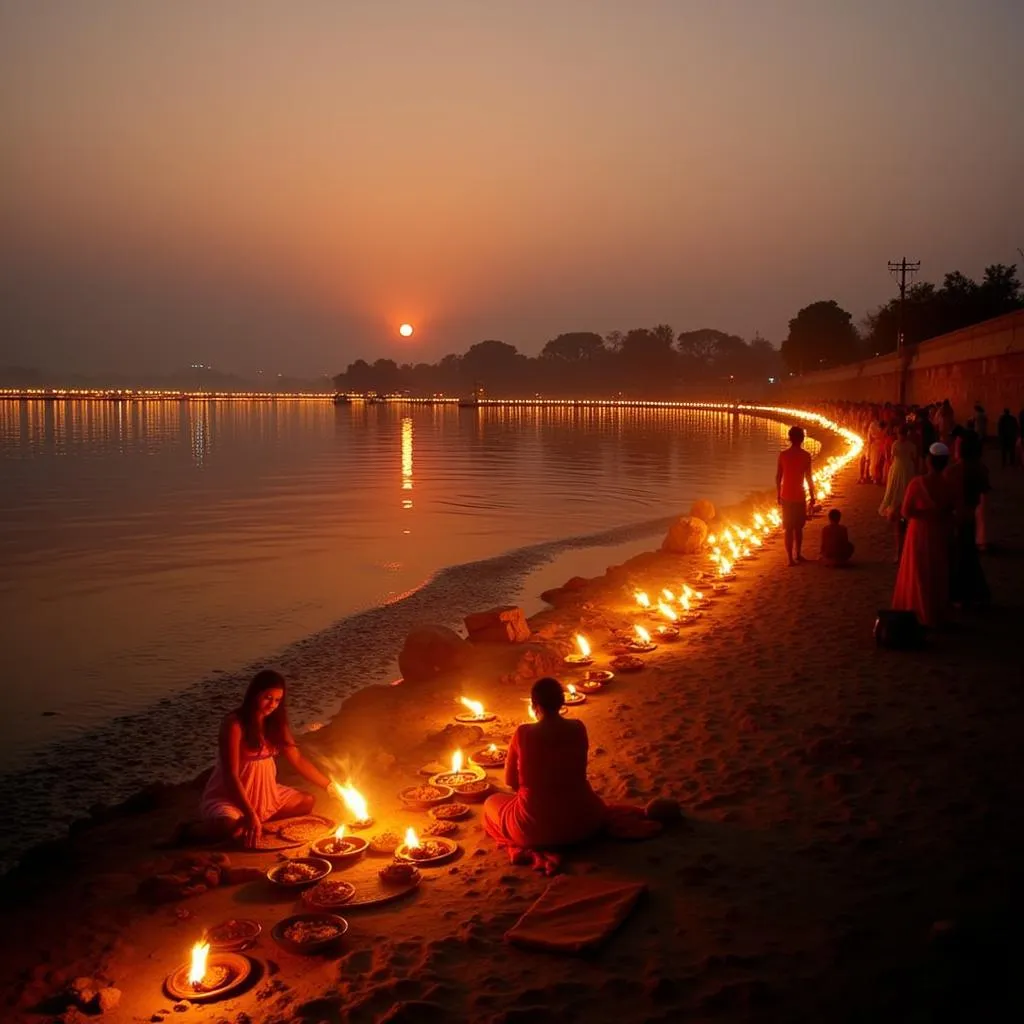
405 330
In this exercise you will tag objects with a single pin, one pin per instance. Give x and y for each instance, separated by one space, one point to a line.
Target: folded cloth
575 914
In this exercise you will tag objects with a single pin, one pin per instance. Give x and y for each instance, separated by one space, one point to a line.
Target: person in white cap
922 583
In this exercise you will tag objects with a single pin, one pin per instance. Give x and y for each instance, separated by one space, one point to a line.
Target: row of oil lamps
728 547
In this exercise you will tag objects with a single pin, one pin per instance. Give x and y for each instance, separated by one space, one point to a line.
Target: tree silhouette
820 335
574 347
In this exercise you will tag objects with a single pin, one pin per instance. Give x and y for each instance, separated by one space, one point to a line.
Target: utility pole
901 269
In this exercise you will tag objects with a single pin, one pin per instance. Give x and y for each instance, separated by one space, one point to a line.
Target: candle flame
197 968
667 611
699 595
572 690
685 603
412 841
642 633
533 713
642 599
712 540
668 595
725 567
339 833
475 707
352 799
581 643
457 762
492 749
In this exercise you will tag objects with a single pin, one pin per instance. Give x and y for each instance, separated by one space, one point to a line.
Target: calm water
147 547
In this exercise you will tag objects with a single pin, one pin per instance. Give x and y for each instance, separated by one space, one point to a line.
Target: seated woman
546 767
243 791
836 549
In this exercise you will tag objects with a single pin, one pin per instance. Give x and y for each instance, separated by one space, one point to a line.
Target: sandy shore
851 853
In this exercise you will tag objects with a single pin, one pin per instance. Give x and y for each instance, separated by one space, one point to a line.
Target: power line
900 269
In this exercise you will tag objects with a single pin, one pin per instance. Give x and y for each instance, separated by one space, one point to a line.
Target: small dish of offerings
305 829
385 843
399 873
595 679
441 828
491 756
459 773
474 791
328 894
309 933
424 796
627 663
449 812
234 934
299 872
339 848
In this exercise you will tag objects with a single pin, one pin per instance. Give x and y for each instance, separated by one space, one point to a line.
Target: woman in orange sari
922 584
552 804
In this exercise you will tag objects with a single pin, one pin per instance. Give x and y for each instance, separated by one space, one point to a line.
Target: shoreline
313 662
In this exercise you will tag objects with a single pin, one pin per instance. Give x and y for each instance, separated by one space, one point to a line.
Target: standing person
945 421
1007 430
794 470
922 583
902 470
981 423
969 482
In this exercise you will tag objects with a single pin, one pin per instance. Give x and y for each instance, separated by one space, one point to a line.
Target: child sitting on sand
836 548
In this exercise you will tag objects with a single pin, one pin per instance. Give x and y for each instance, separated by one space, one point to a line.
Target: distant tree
385 375
575 347
497 365
665 334
614 340
698 347
820 335
765 359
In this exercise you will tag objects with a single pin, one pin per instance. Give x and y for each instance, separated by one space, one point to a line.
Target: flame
755 540
667 611
533 713
642 633
716 555
457 762
475 707
412 841
581 643
572 690
339 833
758 519
492 749
685 603
642 599
725 567
712 540
699 595
727 536
746 552
353 800
197 968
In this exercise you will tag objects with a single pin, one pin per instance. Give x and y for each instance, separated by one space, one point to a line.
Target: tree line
657 361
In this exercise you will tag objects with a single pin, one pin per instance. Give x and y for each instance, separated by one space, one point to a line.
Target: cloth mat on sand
575 914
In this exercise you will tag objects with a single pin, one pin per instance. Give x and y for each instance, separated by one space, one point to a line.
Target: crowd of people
928 464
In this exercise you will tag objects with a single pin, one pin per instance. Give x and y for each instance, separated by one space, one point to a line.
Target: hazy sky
279 185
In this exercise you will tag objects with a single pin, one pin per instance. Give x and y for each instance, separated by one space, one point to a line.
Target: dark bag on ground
898 630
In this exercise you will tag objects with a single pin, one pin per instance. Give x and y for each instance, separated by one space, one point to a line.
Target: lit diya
641 642
208 976
573 696
725 571
643 602
491 756
476 713
434 850
583 656
458 776
339 848
356 804
667 633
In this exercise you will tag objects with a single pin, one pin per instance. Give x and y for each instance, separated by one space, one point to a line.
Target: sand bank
852 851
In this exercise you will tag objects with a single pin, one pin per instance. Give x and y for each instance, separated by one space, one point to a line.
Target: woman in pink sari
922 583
551 804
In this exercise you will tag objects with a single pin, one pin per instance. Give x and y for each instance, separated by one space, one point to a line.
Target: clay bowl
484 758
308 948
452 780
322 870
444 849
353 847
234 935
420 798
475 791
234 971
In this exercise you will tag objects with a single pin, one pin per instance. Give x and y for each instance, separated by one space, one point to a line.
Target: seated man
836 548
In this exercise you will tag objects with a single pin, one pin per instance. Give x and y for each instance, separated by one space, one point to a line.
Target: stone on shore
703 509
505 625
430 651
532 663
685 536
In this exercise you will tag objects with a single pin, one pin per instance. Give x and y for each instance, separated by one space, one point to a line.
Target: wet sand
855 825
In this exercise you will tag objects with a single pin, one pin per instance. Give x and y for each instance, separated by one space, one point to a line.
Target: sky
262 185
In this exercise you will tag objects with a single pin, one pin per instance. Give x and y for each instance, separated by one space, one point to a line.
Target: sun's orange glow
406 330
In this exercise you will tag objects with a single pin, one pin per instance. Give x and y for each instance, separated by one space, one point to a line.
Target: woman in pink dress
922 583
552 804
243 791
